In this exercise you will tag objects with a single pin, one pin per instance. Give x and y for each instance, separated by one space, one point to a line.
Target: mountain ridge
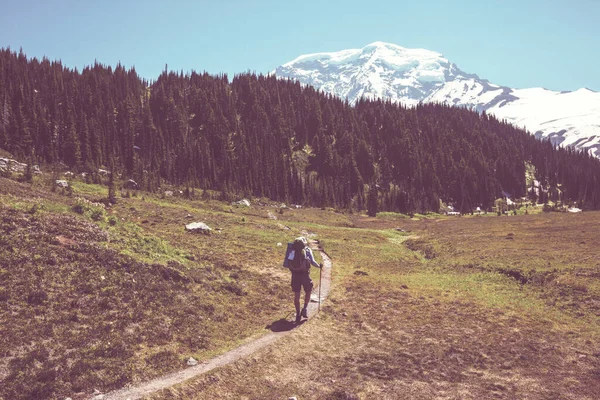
412 76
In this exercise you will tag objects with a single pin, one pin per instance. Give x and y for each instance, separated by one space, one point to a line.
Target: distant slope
410 76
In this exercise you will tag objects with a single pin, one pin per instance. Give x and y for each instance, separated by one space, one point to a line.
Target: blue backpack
295 256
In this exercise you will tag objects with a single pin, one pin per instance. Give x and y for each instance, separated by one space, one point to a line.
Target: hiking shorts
301 280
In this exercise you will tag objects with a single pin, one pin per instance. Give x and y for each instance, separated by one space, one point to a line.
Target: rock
189 216
279 244
198 227
399 229
102 171
62 183
17 166
131 184
345 314
12 165
169 193
68 173
292 398
192 361
243 203
96 392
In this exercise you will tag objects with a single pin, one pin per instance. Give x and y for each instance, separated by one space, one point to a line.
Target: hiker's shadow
281 325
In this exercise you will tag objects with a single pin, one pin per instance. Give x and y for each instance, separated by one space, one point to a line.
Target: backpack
296 259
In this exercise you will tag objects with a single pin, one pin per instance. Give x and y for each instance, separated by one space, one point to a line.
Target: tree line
262 136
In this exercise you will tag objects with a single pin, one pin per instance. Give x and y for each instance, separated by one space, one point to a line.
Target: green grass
86 189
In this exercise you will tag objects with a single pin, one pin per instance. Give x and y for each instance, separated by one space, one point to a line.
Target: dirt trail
146 388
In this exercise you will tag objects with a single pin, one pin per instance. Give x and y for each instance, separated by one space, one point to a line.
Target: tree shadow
282 325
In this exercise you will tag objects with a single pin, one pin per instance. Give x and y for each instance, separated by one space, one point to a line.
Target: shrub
37 297
95 211
97 214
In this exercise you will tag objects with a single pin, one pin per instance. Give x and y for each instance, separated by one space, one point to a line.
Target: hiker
300 266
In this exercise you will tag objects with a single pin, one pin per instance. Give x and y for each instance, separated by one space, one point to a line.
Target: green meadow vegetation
94 296
446 307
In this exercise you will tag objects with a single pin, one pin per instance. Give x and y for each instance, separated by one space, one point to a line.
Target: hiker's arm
311 258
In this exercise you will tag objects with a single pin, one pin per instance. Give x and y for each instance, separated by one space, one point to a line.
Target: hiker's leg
308 287
307 298
297 301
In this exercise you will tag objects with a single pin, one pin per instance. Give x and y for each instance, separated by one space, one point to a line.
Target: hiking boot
298 318
305 312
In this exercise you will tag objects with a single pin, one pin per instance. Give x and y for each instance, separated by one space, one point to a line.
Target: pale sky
527 43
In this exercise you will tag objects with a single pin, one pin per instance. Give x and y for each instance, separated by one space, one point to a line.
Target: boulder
17 166
191 361
198 227
61 183
12 165
243 203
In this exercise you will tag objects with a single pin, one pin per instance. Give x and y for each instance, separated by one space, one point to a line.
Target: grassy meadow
474 307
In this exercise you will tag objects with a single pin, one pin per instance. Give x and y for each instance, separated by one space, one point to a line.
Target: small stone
345 314
191 362
292 398
96 392
199 227
279 244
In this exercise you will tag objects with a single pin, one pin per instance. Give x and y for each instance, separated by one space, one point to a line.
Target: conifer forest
261 136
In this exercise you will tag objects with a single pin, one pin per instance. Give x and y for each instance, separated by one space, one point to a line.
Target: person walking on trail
301 258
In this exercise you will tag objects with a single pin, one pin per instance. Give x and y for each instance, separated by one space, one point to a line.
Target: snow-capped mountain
410 76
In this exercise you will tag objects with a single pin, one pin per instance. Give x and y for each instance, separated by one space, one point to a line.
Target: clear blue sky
518 43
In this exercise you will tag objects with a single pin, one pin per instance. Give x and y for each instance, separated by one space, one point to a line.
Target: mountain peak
378 70
410 76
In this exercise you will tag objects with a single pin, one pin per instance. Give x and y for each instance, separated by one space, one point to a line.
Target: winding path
166 381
